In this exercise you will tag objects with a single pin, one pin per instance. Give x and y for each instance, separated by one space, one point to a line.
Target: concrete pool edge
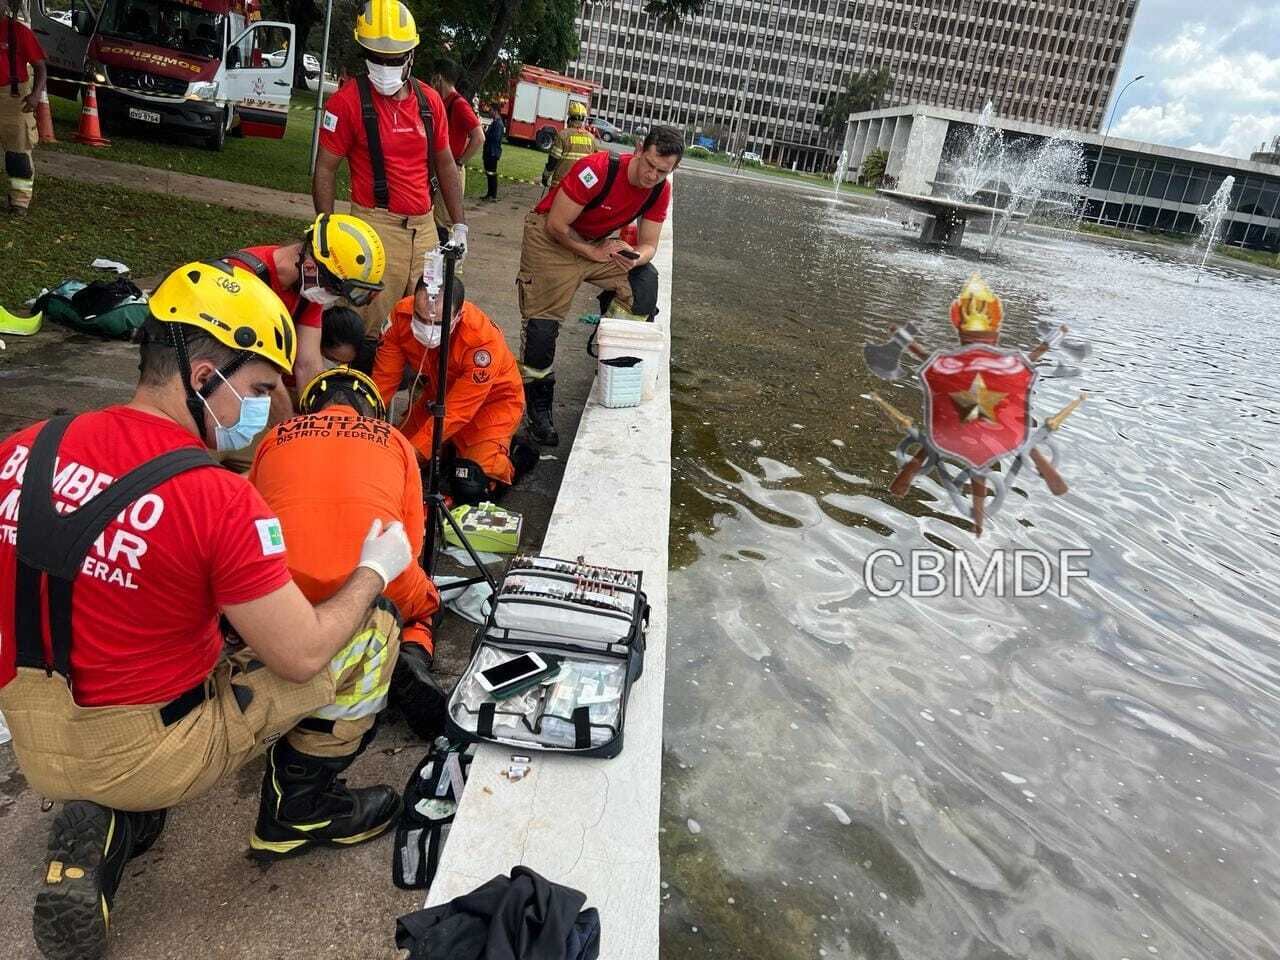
593 824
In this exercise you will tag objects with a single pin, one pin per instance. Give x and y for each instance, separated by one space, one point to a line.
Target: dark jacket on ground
523 917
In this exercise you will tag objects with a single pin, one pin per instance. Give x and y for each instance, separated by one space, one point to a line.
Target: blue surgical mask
254 414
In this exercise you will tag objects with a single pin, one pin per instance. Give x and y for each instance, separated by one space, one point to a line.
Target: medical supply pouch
431 800
593 619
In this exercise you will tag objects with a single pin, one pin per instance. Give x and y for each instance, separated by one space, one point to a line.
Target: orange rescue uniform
327 475
484 396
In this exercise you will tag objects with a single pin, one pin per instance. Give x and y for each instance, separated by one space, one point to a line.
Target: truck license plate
149 116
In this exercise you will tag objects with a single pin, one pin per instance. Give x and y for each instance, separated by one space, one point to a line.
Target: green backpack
106 308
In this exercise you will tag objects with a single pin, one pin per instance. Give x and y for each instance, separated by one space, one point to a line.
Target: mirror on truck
82 20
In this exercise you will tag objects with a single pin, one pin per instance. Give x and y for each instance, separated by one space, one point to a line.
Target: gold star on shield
977 401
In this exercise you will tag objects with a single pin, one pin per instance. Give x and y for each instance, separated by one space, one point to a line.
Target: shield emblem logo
978 403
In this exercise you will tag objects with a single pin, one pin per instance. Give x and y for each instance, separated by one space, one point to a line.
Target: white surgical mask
254 414
320 295
386 80
427 334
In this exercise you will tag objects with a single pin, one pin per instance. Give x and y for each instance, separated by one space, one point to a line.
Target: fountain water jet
842 166
1211 216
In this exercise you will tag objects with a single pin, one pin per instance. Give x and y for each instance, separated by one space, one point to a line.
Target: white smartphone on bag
524 667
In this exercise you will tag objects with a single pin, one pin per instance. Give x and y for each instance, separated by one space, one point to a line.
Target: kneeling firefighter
484 395
114 685
327 474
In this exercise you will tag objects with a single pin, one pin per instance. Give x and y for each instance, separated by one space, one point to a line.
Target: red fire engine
538 104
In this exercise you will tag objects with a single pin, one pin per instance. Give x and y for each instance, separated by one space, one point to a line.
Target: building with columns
757 75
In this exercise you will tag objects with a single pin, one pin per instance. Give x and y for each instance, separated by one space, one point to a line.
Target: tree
873 167
865 91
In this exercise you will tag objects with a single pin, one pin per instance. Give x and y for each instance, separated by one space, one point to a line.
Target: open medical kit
591 620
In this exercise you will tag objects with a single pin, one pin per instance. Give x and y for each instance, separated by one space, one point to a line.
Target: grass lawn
280 164
722 160
71 224
1261 258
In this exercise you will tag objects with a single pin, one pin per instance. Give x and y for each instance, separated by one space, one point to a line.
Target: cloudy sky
1212 75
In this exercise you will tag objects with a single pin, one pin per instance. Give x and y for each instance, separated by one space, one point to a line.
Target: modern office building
761 73
1125 183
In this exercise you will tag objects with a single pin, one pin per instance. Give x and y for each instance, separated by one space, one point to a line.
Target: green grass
727 161
1261 258
279 164
72 223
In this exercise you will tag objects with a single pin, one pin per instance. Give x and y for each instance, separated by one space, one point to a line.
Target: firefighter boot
304 804
88 847
415 691
538 397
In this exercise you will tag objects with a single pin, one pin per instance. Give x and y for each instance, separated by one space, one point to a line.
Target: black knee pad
19 165
540 343
524 456
467 482
644 290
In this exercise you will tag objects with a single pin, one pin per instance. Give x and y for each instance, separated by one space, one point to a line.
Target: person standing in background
493 150
465 135
18 49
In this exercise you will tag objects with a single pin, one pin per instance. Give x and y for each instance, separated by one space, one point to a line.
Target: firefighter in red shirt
484 400
570 237
394 135
339 258
121 545
19 49
465 134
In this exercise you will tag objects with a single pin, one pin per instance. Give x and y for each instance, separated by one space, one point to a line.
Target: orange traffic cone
90 133
44 120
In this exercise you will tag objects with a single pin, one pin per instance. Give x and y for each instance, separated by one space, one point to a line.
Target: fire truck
538 105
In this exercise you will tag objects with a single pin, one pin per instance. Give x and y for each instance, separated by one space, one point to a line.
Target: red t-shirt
404 145
28 49
145 605
462 120
309 314
585 180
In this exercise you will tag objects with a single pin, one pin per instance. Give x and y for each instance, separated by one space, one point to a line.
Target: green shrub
702 153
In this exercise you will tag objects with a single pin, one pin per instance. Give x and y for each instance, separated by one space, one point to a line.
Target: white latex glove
458 239
386 552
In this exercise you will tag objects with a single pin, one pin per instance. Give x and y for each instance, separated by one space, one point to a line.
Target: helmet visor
359 293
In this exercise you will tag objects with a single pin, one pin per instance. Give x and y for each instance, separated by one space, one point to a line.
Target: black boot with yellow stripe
88 847
305 804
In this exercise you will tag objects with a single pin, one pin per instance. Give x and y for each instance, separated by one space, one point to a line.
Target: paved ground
195 893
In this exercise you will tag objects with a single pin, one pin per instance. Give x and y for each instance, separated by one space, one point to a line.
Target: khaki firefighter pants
126 758
407 241
17 138
550 275
440 209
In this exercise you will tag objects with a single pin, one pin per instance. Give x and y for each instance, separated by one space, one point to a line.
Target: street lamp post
1098 162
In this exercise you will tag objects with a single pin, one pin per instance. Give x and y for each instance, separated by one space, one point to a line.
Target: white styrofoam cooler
616 337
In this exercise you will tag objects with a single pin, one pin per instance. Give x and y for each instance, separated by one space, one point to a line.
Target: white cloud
1158 124
1249 78
1212 75
1244 135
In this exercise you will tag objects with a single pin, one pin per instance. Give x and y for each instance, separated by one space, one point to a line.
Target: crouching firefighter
112 579
327 474
484 398
571 237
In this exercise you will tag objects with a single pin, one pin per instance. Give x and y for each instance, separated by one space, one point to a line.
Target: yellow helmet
228 302
341 384
577 111
350 254
386 27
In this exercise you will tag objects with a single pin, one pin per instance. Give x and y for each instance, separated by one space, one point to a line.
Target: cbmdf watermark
1004 573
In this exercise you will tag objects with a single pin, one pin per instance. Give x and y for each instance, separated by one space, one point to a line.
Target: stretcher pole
438 511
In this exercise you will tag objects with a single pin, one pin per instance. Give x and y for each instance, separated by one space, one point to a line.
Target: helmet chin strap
196 398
